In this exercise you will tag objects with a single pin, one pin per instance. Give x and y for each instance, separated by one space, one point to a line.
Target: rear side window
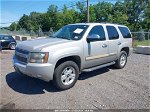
125 32
98 30
112 32
7 38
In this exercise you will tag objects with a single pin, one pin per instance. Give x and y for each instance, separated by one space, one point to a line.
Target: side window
112 32
98 30
7 38
125 32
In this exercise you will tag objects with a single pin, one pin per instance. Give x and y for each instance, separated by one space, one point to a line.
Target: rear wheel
66 75
12 46
122 60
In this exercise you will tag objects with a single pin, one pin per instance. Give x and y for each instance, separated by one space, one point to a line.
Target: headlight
38 57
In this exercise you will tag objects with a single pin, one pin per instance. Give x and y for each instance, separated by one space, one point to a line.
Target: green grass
143 43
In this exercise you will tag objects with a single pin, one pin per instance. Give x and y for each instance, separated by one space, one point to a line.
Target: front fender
59 54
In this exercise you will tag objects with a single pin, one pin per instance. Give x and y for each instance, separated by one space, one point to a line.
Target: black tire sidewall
58 71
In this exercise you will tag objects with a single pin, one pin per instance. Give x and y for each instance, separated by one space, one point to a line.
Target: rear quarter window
125 32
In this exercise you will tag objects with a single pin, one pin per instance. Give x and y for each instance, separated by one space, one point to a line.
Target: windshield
71 32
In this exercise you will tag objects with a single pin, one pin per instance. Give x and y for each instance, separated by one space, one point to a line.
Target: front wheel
66 75
122 60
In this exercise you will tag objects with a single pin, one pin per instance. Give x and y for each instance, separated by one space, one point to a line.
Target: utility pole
88 14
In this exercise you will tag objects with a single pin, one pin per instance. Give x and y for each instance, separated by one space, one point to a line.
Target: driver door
97 51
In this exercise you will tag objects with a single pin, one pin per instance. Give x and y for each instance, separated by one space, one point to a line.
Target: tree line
133 13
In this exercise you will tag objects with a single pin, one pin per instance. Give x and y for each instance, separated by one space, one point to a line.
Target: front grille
22 51
21 59
21 55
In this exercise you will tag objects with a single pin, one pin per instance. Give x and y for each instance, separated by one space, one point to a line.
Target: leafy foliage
133 13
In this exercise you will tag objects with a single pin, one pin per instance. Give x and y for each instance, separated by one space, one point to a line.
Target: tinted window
98 30
112 32
7 38
125 32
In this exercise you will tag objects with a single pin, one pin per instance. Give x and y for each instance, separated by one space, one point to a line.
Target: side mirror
93 37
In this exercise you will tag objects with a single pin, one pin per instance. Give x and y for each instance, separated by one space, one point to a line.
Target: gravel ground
106 88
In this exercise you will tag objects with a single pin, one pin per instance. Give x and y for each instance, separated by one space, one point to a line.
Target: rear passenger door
114 42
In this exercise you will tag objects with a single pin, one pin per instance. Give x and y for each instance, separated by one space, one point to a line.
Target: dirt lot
106 88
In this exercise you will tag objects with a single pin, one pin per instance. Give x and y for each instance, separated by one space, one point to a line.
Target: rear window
125 32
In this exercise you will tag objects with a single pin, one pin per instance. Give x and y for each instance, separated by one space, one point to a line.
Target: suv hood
38 44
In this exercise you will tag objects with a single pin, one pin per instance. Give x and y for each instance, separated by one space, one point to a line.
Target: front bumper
41 71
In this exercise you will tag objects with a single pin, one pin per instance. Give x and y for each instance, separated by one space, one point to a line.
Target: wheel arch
126 49
74 58
11 43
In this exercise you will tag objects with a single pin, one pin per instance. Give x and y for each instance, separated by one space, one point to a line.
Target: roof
114 24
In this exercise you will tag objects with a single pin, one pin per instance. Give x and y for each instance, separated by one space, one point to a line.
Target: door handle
119 43
104 45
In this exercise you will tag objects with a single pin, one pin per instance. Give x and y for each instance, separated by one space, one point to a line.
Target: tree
34 18
25 22
133 13
146 22
45 21
119 13
13 26
68 15
135 9
52 9
92 13
82 11
103 10
52 12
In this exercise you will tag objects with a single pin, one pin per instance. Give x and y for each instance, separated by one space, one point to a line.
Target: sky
12 10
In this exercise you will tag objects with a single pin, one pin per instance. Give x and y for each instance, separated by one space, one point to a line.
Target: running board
98 67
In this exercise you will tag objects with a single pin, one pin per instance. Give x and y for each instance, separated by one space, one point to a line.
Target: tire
12 46
122 60
66 75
